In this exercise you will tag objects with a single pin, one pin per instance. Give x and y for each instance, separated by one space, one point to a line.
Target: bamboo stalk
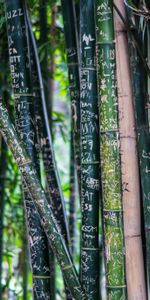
21 84
142 127
90 161
44 135
77 11
53 182
71 37
51 80
110 153
24 261
72 200
46 215
44 64
39 131
2 203
129 161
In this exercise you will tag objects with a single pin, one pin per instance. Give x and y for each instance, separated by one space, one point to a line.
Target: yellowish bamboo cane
129 160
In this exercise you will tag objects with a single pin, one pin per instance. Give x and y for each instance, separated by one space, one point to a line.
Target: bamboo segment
71 37
130 170
45 213
21 84
90 162
110 153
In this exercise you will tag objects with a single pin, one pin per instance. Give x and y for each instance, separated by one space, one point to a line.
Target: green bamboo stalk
142 127
71 38
2 203
21 84
42 123
53 183
44 65
24 261
77 10
39 130
109 150
90 161
72 200
148 83
51 79
44 210
3 149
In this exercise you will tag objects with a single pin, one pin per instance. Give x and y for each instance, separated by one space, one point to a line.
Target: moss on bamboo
109 150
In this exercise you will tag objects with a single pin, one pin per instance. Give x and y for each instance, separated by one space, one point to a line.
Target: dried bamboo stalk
129 161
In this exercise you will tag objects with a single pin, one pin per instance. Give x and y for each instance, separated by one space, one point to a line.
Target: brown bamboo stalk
129 161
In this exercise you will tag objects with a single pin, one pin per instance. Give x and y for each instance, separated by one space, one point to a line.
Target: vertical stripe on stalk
110 153
21 84
90 163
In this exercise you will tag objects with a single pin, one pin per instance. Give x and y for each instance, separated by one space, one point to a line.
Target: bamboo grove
86 63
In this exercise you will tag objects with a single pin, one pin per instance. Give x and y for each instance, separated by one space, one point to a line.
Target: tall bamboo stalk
24 260
53 182
72 200
51 79
110 153
3 150
90 161
44 65
148 80
77 10
142 127
39 130
2 203
21 84
71 37
44 135
44 210
129 161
